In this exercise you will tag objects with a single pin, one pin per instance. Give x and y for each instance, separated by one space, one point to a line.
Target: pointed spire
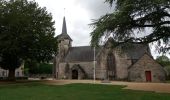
64 28
64 34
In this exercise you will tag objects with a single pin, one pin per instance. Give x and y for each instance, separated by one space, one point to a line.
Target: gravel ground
156 87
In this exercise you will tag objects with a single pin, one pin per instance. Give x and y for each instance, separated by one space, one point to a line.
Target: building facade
133 64
19 72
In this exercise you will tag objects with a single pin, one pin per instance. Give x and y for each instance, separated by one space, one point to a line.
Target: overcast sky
79 14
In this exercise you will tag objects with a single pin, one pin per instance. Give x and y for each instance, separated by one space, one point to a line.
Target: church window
111 66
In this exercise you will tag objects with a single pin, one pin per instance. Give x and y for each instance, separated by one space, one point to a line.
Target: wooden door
74 74
148 76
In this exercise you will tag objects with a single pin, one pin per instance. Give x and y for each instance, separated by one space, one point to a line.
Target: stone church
134 64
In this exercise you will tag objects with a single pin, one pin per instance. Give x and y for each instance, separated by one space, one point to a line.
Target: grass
38 91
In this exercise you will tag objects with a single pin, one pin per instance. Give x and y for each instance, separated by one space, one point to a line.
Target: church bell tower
64 40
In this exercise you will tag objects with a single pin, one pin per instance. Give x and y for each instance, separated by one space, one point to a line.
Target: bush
38 68
45 68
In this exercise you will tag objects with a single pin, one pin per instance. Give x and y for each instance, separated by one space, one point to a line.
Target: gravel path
157 87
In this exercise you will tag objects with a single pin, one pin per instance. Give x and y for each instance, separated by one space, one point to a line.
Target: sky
79 14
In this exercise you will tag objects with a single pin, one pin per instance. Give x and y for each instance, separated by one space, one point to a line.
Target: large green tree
26 33
130 18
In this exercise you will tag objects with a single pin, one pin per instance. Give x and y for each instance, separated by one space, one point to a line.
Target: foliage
37 91
26 33
45 68
38 68
163 60
131 19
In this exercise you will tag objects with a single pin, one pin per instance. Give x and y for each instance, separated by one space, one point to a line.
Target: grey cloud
78 29
96 8
81 33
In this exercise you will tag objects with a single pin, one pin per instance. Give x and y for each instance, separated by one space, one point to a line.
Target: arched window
111 66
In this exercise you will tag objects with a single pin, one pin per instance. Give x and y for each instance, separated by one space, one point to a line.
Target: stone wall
146 63
86 66
101 65
63 46
122 64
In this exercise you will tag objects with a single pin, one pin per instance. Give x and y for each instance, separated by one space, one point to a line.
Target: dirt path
157 87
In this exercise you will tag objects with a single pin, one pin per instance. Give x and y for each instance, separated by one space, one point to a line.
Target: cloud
79 14
89 9
95 8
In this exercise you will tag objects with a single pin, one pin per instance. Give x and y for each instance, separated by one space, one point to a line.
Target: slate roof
133 50
82 53
64 34
137 51
86 53
64 28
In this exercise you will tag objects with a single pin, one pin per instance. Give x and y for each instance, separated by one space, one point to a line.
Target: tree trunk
11 75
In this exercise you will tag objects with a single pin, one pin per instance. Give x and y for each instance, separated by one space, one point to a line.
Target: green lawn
37 91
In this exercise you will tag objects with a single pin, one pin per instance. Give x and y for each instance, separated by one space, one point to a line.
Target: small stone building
146 69
134 64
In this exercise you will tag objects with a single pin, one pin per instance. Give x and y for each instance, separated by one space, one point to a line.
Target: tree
26 33
38 68
163 60
132 17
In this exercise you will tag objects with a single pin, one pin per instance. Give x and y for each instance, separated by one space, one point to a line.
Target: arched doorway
75 74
